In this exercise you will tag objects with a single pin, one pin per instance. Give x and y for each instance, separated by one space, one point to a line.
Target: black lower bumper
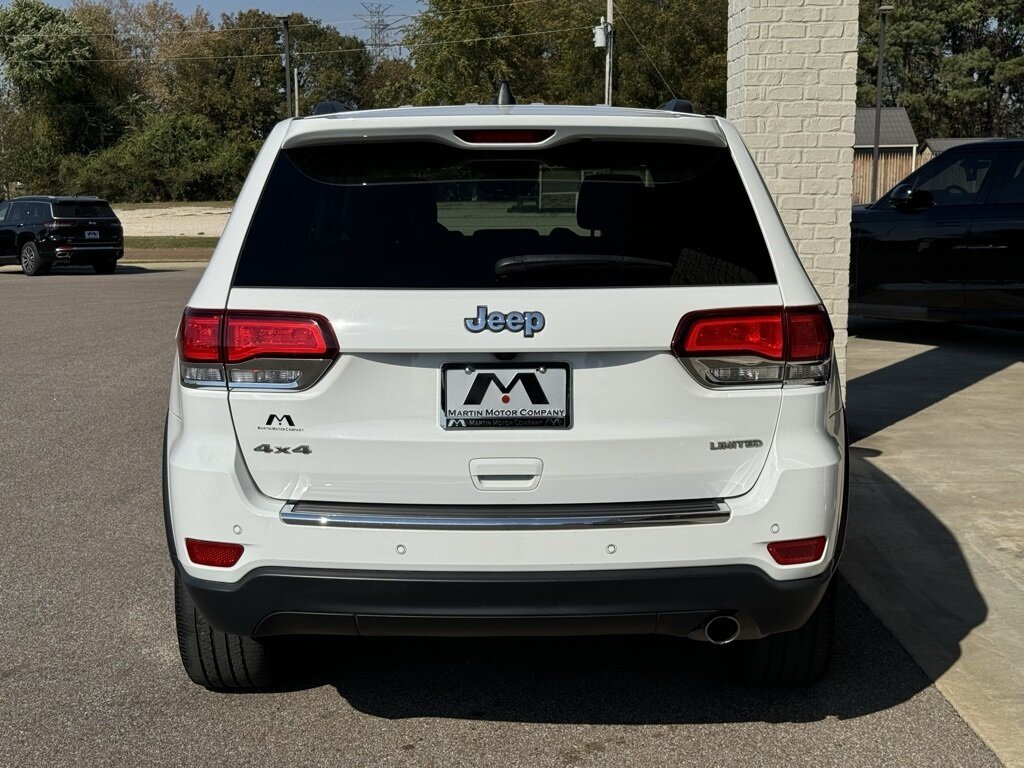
676 601
82 255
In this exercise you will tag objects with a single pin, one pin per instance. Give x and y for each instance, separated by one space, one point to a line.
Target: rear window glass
90 210
428 215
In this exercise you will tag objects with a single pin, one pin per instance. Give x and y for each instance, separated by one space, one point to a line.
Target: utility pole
287 66
608 54
603 39
883 12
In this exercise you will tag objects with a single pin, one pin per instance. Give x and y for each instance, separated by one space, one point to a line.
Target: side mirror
906 198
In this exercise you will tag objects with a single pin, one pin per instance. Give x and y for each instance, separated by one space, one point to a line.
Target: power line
160 60
345 22
644 49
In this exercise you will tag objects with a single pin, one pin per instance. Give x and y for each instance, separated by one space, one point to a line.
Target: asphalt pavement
89 671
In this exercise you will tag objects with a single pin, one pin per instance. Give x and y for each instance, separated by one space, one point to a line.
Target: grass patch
170 241
144 206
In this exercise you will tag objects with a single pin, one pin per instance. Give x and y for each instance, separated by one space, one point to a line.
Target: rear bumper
674 601
84 254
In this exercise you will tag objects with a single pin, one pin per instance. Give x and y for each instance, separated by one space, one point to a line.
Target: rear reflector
213 553
504 136
797 551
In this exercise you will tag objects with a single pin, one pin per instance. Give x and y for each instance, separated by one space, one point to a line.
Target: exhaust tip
722 629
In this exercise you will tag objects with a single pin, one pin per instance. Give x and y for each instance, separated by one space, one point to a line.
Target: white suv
505 370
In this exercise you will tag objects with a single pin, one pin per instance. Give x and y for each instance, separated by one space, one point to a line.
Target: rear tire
218 660
32 263
792 659
105 267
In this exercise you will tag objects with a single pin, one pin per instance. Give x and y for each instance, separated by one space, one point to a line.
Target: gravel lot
173 220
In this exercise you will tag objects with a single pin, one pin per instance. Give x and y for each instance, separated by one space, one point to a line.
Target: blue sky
342 15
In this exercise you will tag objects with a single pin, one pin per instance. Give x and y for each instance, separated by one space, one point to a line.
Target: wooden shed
897 155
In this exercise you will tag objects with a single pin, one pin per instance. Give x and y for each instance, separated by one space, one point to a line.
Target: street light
883 12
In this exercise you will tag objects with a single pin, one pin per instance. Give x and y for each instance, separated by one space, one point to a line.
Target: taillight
797 551
756 346
200 336
269 350
759 333
215 553
253 335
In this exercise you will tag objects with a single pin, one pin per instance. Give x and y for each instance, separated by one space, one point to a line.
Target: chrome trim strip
72 248
500 517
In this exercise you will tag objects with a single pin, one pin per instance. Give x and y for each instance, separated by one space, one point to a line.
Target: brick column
792 94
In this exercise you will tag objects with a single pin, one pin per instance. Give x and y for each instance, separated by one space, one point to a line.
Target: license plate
513 396
92 234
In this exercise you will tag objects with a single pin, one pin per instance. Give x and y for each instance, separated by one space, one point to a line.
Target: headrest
390 211
606 199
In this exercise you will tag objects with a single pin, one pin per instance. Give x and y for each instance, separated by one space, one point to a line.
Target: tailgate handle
506 474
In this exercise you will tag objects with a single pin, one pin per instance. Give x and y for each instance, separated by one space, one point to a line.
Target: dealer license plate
514 396
92 234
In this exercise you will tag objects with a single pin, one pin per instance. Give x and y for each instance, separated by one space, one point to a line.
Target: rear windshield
90 210
428 215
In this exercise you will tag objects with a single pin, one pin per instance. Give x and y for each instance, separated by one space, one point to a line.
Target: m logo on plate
534 391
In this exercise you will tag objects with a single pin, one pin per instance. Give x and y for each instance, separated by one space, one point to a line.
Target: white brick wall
792 93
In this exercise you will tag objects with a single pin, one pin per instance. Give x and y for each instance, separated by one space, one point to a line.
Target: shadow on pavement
961 356
660 680
908 567
900 557
122 269
601 680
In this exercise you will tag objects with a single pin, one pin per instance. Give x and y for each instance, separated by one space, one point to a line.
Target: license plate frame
517 381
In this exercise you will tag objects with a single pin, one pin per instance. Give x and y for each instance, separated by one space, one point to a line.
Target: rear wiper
529 262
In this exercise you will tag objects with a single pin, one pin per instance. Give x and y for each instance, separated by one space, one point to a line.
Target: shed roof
896 130
938 146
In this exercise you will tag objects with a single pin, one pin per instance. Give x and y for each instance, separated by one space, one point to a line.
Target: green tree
547 51
956 65
47 55
169 157
331 65
460 52
390 83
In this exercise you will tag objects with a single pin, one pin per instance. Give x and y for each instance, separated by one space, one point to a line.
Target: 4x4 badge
528 323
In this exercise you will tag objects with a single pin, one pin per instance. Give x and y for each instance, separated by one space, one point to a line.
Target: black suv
38 232
946 243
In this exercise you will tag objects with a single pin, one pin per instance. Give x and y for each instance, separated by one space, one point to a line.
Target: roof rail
679 105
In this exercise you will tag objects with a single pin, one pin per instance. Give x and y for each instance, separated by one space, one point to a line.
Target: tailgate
639 427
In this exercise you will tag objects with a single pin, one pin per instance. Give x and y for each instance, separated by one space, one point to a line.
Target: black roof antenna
329 108
678 105
504 96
